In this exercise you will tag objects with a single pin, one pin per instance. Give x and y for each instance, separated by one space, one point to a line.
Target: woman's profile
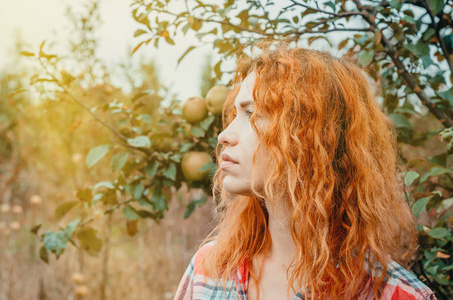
310 201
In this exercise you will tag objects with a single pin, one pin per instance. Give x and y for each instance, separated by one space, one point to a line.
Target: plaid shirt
400 285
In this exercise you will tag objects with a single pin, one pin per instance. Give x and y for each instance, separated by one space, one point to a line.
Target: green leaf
106 184
55 242
429 33
159 202
140 142
64 208
96 154
130 213
419 49
136 190
366 57
175 157
436 6
410 177
145 117
207 122
401 121
170 172
448 40
89 241
145 214
427 61
118 161
151 170
185 28
96 198
435 171
439 233
143 201
190 209
70 228
210 165
197 131
185 147
419 206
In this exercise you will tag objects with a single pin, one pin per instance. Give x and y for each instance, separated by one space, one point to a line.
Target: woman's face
240 142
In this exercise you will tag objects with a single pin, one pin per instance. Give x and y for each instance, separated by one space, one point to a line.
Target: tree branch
339 15
116 133
408 78
439 37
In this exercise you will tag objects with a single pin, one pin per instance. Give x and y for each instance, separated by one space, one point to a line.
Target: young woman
310 201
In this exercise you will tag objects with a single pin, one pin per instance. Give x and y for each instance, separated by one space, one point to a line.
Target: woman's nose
227 137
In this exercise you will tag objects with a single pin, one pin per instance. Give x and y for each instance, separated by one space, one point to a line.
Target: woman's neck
282 246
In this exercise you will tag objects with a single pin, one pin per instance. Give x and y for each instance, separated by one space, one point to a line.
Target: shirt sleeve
185 288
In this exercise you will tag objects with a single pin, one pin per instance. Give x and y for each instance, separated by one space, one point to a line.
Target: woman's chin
233 187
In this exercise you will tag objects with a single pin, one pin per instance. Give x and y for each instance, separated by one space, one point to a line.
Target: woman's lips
226 164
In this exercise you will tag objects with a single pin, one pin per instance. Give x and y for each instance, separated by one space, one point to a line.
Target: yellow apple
215 98
194 109
17 209
14 225
35 200
77 278
192 162
81 291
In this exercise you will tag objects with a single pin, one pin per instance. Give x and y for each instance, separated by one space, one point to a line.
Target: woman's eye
248 112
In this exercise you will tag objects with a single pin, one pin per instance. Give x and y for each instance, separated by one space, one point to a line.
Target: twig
116 133
339 15
439 37
408 78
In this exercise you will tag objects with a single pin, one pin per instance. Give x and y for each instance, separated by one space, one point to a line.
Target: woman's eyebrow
245 103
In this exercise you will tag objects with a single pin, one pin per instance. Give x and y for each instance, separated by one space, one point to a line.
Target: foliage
149 141
406 46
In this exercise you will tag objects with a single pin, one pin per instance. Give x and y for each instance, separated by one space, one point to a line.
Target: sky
38 20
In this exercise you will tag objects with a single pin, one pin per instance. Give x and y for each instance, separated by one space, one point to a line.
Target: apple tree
407 48
142 149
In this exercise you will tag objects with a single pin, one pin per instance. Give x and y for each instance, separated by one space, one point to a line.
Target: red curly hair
334 157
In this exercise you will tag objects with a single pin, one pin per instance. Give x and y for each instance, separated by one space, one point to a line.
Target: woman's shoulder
197 260
402 284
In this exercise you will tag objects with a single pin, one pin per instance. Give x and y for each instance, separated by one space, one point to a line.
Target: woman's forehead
246 89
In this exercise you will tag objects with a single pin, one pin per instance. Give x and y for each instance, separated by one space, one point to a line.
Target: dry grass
146 266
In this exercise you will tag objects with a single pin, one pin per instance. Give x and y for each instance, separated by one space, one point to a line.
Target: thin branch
116 133
309 31
218 22
439 37
408 78
339 15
